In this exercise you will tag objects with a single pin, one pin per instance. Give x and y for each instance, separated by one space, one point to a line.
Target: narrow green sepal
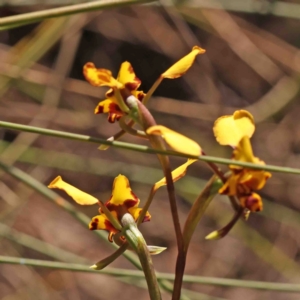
199 206
218 234
109 259
154 250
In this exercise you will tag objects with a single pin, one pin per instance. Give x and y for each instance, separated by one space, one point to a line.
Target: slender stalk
38 16
138 243
198 208
144 149
259 285
147 264
146 206
127 128
152 90
234 202
156 142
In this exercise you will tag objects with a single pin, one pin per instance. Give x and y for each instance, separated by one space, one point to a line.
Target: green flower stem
38 16
259 285
138 243
144 149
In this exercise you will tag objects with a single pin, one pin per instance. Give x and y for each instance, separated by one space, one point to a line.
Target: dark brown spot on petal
132 86
130 202
109 93
93 225
130 69
113 107
99 109
140 96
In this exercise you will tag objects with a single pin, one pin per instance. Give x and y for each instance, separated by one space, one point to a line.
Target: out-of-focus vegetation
252 62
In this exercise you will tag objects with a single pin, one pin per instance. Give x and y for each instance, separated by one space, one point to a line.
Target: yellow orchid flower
122 201
235 130
127 83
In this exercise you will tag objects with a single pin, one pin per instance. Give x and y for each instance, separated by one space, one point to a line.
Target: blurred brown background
252 61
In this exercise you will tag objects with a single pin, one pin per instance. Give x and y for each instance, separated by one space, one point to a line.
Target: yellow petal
176 174
230 187
181 67
243 151
100 222
127 77
122 194
108 106
78 196
229 130
175 140
99 77
135 212
254 179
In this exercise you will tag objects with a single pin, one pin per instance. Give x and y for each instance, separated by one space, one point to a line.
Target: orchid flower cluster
126 104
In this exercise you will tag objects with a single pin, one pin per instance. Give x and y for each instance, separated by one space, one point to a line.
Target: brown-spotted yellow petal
135 212
99 77
78 196
181 67
108 106
176 174
127 77
253 202
122 194
175 140
100 222
139 95
229 130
